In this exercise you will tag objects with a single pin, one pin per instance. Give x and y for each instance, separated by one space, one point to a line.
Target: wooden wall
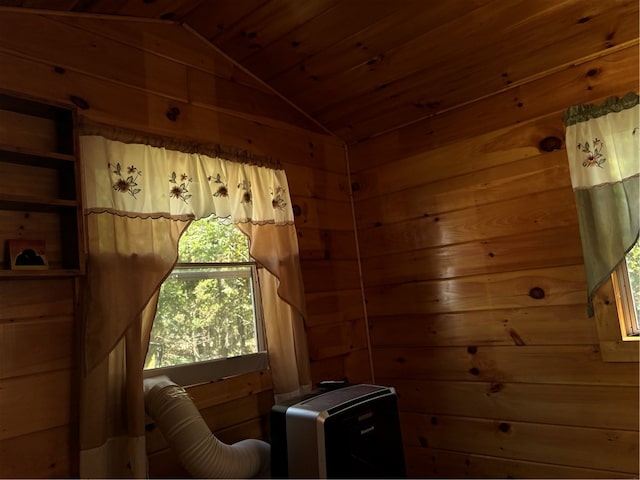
131 73
473 274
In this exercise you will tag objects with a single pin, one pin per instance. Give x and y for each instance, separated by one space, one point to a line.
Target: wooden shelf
27 156
25 202
41 198
51 273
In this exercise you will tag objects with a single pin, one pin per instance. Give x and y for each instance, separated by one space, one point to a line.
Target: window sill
204 372
613 346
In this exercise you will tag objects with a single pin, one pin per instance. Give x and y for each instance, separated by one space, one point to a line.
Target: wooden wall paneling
166 464
254 428
336 339
239 411
232 388
331 368
67 47
30 346
27 131
33 403
537 249
166 39
590 81
357 366
525 214
227 14
323 275
206 89
547 325
310 181
618 449
317 244
554 286
125 107
24 179
465 156
43 454
435 463
541 173
56 299
329 307
558 364
322 214
571 405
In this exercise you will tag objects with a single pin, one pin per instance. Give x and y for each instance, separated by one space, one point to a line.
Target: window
616 311
626 285
208 323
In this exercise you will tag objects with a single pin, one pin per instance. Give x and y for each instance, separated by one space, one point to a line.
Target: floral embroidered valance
603 141
143 181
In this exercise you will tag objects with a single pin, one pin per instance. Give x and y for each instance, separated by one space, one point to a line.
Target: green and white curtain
603 146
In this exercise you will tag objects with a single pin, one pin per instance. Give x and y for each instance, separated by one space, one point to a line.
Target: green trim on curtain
582 113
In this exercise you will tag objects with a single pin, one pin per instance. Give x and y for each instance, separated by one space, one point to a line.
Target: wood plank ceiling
364 67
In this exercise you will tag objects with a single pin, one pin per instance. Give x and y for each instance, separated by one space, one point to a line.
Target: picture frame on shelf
28 254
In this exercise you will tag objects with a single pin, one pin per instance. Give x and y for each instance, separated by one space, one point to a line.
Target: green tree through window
633 267
206 306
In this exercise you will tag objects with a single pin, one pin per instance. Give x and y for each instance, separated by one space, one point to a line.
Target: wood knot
550 144
59 70
592 72
79 102
536 293
173 113
355 187
504 427
495 388
297 211
474 371
472 349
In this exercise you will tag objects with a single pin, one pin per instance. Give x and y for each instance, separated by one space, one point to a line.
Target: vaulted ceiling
364 67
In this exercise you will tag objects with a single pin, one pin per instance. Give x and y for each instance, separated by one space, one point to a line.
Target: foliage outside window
626 284
616 311
207 309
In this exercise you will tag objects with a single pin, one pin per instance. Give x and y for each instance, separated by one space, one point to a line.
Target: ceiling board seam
512 86
65 13
252 75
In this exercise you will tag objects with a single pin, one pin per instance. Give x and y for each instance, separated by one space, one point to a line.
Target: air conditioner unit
348 432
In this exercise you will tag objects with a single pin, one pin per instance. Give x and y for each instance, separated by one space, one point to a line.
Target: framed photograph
28 255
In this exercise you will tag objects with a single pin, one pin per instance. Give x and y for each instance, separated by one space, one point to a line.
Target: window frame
612 303
189 374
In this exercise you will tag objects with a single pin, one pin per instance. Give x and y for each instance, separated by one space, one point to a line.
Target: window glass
633 268
206 309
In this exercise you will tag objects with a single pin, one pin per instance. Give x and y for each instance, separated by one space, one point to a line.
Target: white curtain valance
142 181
